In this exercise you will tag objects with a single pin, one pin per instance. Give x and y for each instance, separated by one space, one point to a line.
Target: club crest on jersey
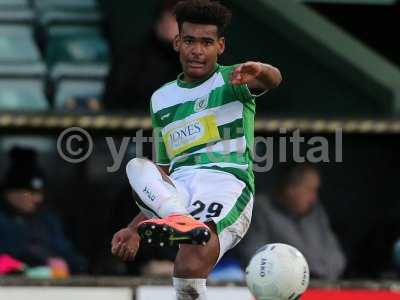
201 104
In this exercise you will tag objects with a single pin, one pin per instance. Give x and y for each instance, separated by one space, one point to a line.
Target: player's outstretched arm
125 242
256 75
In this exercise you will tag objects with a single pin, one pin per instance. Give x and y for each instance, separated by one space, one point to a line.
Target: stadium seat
76 44
82 71
16 16
78 83
82 90
22 95
57 17
13 4
17 45
70 5
54 31
28 70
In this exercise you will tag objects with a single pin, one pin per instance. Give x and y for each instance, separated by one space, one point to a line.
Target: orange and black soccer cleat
174 230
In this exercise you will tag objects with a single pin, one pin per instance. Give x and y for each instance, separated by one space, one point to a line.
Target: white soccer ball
277 272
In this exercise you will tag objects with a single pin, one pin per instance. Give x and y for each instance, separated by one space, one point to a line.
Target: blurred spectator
294 216
29 232
139 72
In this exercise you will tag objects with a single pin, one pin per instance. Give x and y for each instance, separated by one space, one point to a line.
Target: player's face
199 47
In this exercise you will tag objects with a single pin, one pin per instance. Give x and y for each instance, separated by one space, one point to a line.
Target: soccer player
199 192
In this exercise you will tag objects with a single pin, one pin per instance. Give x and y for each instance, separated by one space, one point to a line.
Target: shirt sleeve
162 158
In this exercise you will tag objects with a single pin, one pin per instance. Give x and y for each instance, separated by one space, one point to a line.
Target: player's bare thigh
197 261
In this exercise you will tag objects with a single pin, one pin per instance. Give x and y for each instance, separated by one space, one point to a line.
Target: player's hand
125 244
246 72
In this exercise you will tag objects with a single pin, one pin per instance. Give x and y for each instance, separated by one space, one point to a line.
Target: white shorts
211 195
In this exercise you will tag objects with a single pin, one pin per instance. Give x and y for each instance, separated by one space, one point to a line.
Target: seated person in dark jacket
294 216
28 231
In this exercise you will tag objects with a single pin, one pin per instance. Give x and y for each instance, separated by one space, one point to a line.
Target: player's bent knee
141 168
137 165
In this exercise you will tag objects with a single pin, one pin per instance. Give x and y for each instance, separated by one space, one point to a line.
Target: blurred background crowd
87 57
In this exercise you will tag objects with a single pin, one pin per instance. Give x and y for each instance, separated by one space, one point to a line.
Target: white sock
190 289
157 195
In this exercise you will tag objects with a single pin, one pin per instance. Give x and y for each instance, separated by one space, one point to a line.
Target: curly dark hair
206 12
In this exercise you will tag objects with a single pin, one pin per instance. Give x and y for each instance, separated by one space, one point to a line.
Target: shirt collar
190 85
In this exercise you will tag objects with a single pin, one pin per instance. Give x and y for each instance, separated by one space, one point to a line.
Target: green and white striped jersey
207 124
